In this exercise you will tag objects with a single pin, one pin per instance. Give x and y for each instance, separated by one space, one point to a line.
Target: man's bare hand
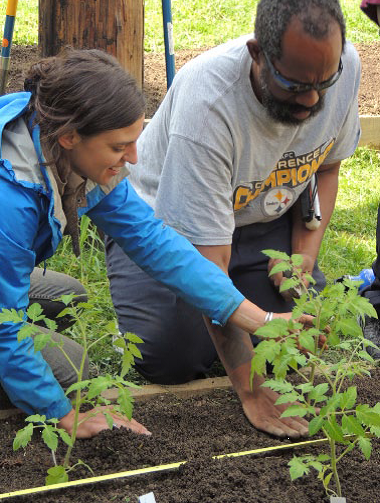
260 409
280 277
94 421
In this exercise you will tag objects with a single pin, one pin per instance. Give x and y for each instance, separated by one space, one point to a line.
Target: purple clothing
372 9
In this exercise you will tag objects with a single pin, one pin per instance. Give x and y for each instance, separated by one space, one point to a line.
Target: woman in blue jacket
64 146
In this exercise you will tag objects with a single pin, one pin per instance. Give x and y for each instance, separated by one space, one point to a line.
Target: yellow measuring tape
152 469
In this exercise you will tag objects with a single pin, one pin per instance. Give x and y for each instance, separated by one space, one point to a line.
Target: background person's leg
46 288
177 347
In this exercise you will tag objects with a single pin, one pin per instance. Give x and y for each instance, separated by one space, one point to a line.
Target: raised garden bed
188 429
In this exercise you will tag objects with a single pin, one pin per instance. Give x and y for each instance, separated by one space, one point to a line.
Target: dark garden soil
194 430
155 76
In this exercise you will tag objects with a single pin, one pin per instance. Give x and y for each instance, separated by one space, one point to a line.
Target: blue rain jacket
30 233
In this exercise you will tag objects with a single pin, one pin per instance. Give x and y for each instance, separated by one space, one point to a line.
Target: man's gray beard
282 111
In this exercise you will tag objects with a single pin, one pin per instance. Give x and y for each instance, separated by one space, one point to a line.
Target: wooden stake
116 26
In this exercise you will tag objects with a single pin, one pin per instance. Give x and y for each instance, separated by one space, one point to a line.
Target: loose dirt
190 430
155 76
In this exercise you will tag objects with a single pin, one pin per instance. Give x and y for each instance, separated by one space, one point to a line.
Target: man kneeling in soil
223 161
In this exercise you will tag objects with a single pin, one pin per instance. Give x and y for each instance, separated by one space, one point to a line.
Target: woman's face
101 157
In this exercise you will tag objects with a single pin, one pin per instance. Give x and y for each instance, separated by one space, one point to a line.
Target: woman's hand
93 421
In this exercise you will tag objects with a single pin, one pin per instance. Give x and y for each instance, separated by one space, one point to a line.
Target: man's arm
307 242
235 350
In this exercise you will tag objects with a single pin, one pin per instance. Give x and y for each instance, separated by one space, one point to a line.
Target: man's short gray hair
316 16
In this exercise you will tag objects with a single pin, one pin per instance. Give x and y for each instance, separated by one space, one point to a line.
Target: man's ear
69 140
254 49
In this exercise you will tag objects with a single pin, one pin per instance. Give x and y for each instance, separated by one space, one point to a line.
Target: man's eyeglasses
299 87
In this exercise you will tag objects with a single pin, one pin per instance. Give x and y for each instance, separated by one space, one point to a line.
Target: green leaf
109 419
133 338
78 385
269 349
295 410
316 424
280 386
26 331
287 397
365 447
40 341
326 480
97 385
276 254
127 361
35 312
365 356
296 259
315 464
276 328
23 436
51 324
125 400
318 393
348 398
258 365
56 475
307 341
352 426
280 267
111 327
305 387
120 343
50 437
36 418
65 436
11 316
323 457
349 327
369 418
367 342
333 430
134 350
331 405
288 284
297 468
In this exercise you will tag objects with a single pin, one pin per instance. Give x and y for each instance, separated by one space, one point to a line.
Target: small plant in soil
88 392
334 410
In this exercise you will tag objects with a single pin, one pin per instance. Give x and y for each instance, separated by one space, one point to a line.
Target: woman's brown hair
83 90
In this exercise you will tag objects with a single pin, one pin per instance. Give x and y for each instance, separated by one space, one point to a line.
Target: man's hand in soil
260 409
93 422
235 350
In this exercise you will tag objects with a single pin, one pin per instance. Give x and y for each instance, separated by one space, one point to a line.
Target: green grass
350 240
196 23
349 244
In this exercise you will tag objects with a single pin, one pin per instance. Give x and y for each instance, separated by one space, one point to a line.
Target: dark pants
177 347
45 289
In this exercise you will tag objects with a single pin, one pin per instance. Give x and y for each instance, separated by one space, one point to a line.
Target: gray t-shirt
211 159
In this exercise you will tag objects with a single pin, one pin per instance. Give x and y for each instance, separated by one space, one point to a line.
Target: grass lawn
349 244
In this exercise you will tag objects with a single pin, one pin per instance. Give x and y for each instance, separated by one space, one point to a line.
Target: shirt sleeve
24 375
164 254
195 192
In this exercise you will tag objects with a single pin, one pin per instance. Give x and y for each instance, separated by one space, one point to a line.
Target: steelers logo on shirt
277 200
